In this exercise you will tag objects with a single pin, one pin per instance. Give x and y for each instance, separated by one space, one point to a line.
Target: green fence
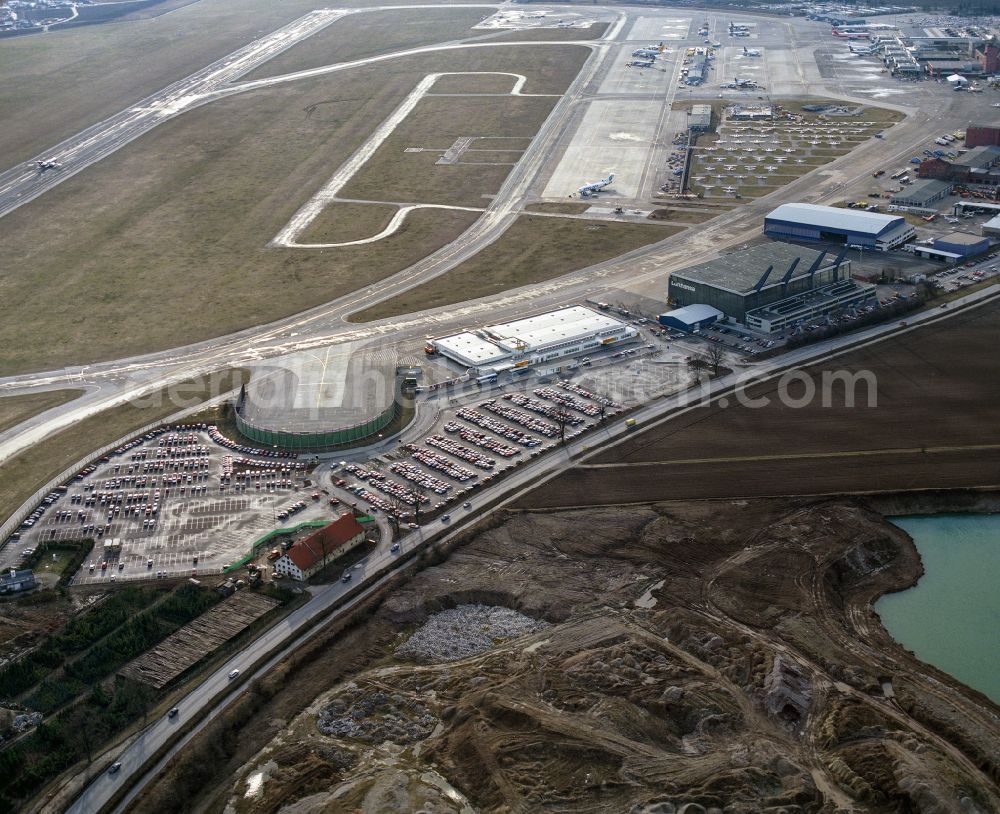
267 538
315 441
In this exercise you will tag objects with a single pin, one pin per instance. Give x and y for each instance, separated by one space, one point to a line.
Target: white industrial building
868 230
533 340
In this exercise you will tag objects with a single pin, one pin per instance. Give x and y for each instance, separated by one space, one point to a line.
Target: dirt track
933 426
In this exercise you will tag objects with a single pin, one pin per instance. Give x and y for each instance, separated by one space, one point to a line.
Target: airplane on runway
595 187
751 52
47 164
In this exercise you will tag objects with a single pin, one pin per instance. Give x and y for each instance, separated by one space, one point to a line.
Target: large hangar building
856 228
755 277
315 400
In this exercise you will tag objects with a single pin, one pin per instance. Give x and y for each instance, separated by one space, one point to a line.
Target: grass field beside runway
15 409
27 472
472 83
357 36
558 208
593 32
533 250
394 174
165 242
340 222
58 83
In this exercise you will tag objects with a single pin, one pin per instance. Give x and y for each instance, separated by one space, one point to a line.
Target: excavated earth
666 659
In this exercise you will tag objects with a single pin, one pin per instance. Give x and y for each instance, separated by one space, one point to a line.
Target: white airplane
751 52
729 189
645 53
47 164
730 166
780 158
595 187
951 220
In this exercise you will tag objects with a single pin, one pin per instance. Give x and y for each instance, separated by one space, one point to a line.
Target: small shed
691 317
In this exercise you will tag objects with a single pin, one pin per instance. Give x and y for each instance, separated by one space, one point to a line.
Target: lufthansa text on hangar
869 230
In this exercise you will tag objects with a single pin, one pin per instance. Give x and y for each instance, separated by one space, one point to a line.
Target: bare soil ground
534 249
129 255
15 409
931 428
721 655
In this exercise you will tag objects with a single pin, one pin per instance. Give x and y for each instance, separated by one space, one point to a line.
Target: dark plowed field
934 425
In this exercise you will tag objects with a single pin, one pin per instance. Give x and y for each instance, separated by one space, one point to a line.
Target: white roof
546 329
992 223
468 346
832 217
694 313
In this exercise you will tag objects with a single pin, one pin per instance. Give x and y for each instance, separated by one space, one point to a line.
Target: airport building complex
531 341
768 288
312 401
867 230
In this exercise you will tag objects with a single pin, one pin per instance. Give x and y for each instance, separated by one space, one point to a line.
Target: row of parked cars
572 387
456 450
567 402
520 417
223 441
439 463
473 416
543 409
481 440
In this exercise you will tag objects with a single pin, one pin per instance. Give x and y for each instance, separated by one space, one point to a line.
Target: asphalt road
211 694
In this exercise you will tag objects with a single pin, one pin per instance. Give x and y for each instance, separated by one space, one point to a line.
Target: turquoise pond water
951 618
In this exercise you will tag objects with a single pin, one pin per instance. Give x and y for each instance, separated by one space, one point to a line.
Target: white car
233 674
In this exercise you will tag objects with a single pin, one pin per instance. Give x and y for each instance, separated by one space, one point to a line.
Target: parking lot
477 443
752 158
175 502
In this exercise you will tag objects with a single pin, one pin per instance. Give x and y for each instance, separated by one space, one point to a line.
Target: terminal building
532 341
856 228
766 287
317 400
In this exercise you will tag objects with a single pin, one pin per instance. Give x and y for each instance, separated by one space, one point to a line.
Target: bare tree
715 357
